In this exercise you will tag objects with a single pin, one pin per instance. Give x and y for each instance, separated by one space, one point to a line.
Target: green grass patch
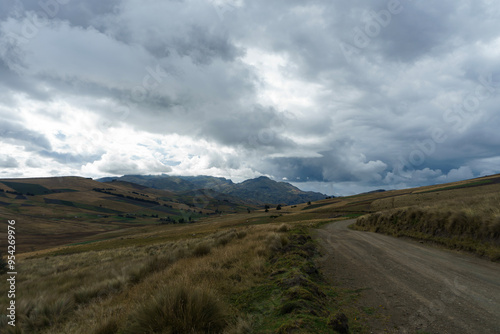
368 310
294 297
86 242
314 206
65 190
460 186
94 208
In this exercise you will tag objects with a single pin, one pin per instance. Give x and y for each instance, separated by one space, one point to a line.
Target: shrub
179 309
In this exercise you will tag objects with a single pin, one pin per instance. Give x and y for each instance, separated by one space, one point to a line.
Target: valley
288 269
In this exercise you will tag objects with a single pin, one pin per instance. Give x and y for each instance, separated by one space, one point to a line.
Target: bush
179 309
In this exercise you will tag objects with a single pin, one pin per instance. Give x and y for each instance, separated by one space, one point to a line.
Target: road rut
413 287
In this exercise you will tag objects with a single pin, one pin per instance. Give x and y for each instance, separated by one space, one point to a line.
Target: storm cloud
347 95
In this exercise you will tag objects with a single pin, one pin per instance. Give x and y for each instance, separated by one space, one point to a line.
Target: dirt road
411 287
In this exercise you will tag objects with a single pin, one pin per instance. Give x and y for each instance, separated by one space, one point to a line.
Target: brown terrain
411 287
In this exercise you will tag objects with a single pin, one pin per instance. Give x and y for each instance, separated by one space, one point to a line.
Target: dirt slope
412 287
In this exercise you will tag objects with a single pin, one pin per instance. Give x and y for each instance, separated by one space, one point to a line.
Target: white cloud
462 173
129 87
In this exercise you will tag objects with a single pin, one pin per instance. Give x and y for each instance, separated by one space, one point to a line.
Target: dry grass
464 220
244 278
179 309
121 290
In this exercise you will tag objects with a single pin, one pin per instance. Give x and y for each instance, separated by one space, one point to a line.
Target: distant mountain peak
260 190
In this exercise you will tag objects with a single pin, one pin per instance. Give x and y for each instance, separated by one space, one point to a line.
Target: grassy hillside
62 210
225 275
247 272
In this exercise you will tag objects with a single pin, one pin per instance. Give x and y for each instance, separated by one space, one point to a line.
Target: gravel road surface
411 287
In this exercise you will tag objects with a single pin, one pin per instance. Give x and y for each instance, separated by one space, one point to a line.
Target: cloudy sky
338 96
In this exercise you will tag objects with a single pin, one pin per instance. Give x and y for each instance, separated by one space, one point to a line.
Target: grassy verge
473 227
293 298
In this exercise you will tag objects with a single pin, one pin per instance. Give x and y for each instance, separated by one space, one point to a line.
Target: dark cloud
336 165
11 82
202 45
16 133
8 162
81 13
69 158
343 92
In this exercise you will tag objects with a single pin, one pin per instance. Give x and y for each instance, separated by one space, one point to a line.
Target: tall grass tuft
44 313
201 249
85 294
283 228
153 265
110 326
240 326
179 309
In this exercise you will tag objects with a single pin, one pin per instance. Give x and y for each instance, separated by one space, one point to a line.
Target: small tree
278 207
309 203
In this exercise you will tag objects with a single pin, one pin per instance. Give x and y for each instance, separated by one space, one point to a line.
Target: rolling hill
61 210
92 269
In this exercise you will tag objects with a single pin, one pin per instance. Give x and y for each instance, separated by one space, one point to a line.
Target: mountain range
258 191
